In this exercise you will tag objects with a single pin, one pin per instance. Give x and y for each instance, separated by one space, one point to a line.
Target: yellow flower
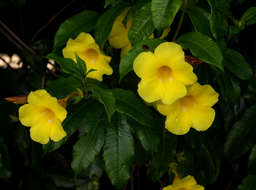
44 115
194 110
163 73
86 48
187 183
118 37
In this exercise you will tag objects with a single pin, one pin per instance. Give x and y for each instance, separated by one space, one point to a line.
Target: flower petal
173 90
165 109
178 122
125 49
202 117
169 51
183 72
145 65
29 114
57 132
150 90
40 132
204 94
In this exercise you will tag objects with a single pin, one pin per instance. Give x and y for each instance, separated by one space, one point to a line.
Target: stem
180 22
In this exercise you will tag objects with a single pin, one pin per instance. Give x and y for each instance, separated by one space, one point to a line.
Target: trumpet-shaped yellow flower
44 115
118 37
187 183
163 73
86 48
194 110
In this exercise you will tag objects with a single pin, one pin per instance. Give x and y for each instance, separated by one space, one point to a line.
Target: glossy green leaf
248 183
149 136
243 131
81 22
105 22
86 148
249 17
131 105
85 114
200 19
126 64
218 22
142 25
105 97
118 151
237 64
202 47
164 12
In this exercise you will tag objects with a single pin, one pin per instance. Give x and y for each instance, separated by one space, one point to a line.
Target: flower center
164 73
47 115
92 55
187 102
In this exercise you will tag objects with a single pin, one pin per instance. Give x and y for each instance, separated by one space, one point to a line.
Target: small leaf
248 183
202 47
164 12
81 22
252 161
200 19
243 131
86 148
104 24
81 66
126 64
105 97
236 64
249 17
131 105
84 114
118 151
142 25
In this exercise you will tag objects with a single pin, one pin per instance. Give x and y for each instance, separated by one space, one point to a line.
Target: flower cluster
168 82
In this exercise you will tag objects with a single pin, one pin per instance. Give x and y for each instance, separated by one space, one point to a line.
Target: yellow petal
202 117
169 51
173 90
169 187
183 72
178 122
29 114
57 132
197 187
185 183
204 94
40 132
145 65
150 90
44 99
165 109
120 40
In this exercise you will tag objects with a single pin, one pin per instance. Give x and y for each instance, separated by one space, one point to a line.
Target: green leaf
105 22
118 151
163 157
252 161
164 12
248 183
202 47
85 114
200 19
142 25
126 64
77 70
218 22
243 131
105 97
81 66
131 105
110 2
237 64
63 86
81 22
86 148
149 136
249 17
